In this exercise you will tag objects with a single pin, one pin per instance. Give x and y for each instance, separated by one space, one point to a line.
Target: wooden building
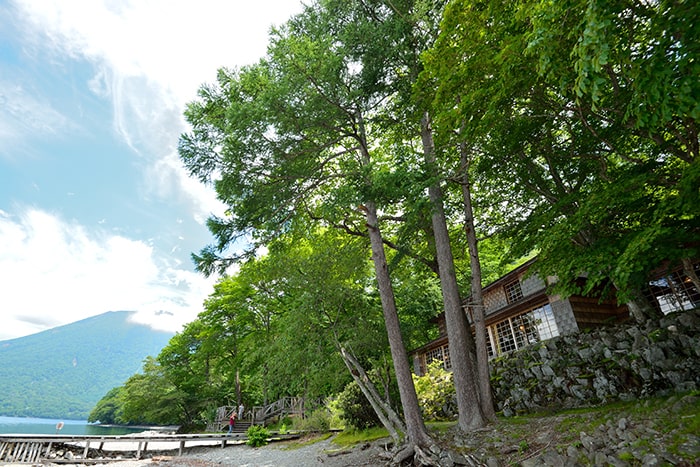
520 312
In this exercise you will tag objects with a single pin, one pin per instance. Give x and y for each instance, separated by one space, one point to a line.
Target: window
442 354
525 329
506 339
513 291
675 292
544 320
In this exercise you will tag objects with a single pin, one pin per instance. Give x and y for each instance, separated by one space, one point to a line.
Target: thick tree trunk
458 330
386 414
689 270
477 299
415 428
640 309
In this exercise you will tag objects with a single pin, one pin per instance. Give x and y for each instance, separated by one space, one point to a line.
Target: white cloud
24 114
148 59
151 56
56 272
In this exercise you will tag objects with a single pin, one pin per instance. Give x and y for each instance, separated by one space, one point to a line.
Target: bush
356 410
436 393
257 436
318 421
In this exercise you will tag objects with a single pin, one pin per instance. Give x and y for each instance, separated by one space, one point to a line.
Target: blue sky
96 211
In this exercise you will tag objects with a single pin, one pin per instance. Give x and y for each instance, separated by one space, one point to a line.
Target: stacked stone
624 362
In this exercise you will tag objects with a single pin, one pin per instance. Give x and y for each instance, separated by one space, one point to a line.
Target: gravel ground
278 454
322 453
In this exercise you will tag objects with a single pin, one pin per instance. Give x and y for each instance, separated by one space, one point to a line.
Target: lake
47 426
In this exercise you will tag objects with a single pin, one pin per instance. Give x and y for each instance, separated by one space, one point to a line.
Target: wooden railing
27 448
284 406
260 415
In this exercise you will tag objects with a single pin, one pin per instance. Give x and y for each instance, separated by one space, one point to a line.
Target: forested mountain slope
64 371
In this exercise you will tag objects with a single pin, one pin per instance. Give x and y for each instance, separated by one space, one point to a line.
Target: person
231 422
240 411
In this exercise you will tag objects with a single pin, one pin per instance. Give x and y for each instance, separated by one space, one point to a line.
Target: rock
622 423
600 458
589 443
553 458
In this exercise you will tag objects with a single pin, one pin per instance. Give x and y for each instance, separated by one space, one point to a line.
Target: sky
97 213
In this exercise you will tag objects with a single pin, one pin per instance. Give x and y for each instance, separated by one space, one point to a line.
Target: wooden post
20 452
48 449
34 452
87 448
182 446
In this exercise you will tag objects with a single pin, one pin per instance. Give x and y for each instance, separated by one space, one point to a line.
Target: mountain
63 372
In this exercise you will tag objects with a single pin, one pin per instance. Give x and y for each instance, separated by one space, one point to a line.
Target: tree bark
689 270
238 388
640 309
415 428
386 414
477 299
458 330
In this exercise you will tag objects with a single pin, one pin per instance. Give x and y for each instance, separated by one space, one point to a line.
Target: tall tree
293 134
556 161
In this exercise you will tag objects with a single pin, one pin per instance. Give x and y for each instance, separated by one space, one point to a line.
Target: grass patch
350 438
307 441
441 427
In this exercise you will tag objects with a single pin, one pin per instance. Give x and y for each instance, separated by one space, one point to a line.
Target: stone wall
623 362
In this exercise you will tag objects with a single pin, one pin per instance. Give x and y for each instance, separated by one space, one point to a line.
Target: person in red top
231 423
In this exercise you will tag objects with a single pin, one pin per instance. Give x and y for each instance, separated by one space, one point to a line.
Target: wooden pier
34 449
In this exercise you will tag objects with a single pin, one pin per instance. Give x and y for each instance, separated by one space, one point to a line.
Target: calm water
47 426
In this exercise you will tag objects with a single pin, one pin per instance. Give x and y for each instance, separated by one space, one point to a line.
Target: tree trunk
386 414
477 299
458 330
689 270
640 308
238 388
415 428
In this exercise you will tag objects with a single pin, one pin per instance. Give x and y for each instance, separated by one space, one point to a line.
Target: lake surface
47 426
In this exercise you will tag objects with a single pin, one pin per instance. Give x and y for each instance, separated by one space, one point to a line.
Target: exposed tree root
412 455
403 455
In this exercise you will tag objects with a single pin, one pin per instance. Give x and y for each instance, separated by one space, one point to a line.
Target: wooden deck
35 448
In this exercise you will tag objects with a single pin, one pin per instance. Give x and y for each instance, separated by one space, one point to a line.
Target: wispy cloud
150 57
24 114
62 270
145 59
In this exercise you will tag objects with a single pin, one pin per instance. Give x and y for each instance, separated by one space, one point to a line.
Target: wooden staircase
259 415
241 426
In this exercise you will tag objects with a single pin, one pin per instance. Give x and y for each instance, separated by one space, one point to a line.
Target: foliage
436 392
149 398
585 148
355 410
317 421
108 410
579 121
257 436
63 372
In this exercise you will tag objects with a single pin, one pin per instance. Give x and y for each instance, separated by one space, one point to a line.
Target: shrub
356 411
436 393
257 436
319 420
